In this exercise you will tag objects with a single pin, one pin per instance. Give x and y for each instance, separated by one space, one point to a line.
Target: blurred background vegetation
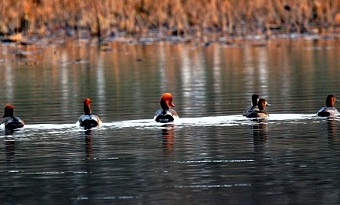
143 18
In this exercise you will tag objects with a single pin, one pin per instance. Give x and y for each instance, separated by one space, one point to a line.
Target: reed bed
143 18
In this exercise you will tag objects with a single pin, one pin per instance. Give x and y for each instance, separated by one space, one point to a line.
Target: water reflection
205 80
168 140
331 128
211 86
88 144
9 147
260 135
9 144
331 132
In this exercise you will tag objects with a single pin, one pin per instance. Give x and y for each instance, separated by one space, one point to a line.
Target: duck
329 110
261 113
9 120
88 120
253 106
166 113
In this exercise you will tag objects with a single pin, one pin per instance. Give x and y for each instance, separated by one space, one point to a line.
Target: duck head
8 111
331 100
262 104
166 101
87 106
254 99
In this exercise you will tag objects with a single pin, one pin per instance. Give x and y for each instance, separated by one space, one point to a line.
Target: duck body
88 120
253 107
261 113
166 113
165 116
9 120
13 122
329 110
250 109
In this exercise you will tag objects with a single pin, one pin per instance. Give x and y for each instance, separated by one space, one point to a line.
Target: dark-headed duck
88 120
329 110
9 120
167 113
261 113
253 106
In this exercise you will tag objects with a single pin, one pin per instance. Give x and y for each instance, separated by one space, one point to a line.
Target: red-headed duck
167 113
261 113
9 120
253 107
88 120
329 110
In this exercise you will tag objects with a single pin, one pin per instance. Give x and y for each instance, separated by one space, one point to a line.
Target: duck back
165 116
13 123
89 121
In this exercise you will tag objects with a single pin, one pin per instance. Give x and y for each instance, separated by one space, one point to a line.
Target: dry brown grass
167 17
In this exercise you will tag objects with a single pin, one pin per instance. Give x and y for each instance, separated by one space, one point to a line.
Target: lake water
212 155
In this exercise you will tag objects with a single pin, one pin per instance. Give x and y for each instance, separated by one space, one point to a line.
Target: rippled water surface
212 155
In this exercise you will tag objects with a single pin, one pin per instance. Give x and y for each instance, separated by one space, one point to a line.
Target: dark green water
213 155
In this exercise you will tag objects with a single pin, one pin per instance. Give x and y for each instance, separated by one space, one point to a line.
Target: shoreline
28 52
153 37
143 21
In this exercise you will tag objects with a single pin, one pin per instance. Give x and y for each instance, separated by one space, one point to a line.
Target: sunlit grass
141 18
